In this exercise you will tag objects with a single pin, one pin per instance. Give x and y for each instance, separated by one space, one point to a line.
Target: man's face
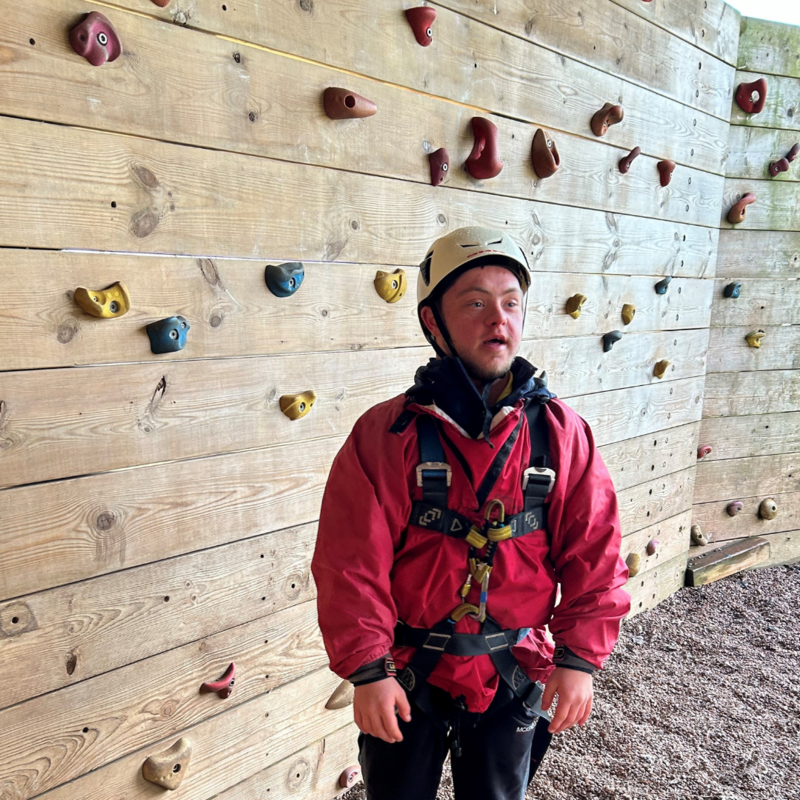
483 314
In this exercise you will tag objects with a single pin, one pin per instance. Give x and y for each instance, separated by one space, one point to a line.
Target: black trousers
495 752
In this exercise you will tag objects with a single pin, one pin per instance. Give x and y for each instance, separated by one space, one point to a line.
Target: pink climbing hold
734 508
652 546
95 39
750 97
421 19
703 451
484 161
440 163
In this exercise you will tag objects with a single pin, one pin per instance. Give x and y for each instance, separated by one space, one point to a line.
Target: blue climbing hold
283 280
661 286
168 335
733 290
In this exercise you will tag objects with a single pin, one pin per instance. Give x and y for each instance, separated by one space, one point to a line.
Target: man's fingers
549 694
403 706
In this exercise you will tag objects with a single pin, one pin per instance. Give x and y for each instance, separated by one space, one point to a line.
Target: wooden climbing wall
751 412
157 512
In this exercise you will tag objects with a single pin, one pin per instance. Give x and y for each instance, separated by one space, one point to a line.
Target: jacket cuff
564 657
377 670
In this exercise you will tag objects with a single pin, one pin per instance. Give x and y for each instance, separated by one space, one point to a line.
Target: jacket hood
445 382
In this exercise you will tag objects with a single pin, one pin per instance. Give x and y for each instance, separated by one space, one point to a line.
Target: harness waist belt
451 523
456 644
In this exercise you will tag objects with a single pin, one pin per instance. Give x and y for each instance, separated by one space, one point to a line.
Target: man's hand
574 689
374 709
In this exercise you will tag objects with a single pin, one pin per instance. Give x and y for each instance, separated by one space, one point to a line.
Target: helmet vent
425 269
470 245
496 241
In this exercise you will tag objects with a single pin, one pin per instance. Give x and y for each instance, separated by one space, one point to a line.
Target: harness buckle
538 471
431 465
444 636
503 641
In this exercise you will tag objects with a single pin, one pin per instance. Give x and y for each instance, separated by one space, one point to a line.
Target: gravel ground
700 699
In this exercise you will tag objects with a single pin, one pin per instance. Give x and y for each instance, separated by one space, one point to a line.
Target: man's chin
488 372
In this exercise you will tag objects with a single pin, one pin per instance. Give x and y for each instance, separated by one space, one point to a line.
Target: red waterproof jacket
372 568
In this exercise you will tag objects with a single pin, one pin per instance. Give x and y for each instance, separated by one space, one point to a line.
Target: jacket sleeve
365 508
585 551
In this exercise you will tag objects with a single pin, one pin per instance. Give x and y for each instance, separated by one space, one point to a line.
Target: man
443 536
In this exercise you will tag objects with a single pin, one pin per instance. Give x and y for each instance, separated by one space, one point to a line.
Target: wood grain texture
81 630
45 741
775 209
719 526
781 108
766 476
755 435
657 584
728 350
726 560
269 105
761 302
758 254
169 199
672 536
655 501
750 151
769 47
733 394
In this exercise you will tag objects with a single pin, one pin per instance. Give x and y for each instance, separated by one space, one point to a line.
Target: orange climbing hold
343 104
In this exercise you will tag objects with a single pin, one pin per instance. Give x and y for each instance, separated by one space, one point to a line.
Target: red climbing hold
751 97
344 104
704 451
224 686
162 3
665 170
625 163
349 777
484 161
781 165
607 116
734 508
544 154
440 163
739 210
421 19
95 39
792 154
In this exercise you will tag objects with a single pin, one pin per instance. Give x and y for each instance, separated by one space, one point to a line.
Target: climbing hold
283 280
734 508
608 115
168 335
484 161
344 104
703 451
349 777
739 210
113 301
660 369
440 163
625 163
781 165
628 313
95 39
634 564
610 338
168 769
665 170
754 338
652 546
391 286
698 537
222 687
792 154
297 405
661 286
575 304
733 290
768 509
421 19
751 97
162 3
342 696
544 154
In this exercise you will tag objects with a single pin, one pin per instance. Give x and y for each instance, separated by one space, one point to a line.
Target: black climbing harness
431 513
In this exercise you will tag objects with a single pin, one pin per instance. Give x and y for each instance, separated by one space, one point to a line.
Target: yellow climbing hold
113 301
628 313
391 286
575 304
660 368
297 405
768 509
634 562
754 338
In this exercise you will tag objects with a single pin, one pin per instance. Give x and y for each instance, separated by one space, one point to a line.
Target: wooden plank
656 584
755 435
61 183
607 37
761 302
780 110
61 532
232 313
771 48
655 501
784 548
712 26
672 536
229 747
776 208
472 64
728 350
59 736
758 254
750 151
726 560
731 394
199 100
719 526
766 476
65 635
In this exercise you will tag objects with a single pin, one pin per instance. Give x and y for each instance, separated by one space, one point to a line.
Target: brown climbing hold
792 154
652 546
734 508
344 104
625 163
754 338
168 769
222 687
628 313
342 696
776 167
768 509
751 97
660 369
162 3
95 39
440 163
296 406
607 116
739 210
349 777
665 170
634 564
703 451
698 537
484 160
575 304
544 154
421 19
391 286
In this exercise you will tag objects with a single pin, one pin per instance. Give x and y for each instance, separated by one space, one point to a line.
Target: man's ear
430 320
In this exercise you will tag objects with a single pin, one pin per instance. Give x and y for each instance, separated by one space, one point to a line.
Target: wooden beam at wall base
726 561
